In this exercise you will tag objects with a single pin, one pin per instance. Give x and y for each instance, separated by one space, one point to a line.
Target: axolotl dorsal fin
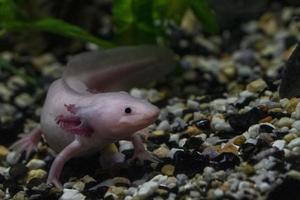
118 69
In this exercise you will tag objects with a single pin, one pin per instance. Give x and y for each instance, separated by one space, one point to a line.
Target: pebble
35 164
168 169
294 143
257 86
149 187
162 152
3 152
69 194
279 144
13 157
23 100
18 171
36 173
296 125
163 125
285 121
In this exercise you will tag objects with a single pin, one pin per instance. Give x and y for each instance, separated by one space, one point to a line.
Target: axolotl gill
88 108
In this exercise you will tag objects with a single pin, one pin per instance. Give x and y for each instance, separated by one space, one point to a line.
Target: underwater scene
140 99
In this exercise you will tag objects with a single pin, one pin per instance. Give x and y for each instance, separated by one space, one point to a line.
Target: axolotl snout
82 113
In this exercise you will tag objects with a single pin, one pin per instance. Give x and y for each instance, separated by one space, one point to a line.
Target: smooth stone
3 151
296 125
279 144
13 157
36 173
264 187
192 104
297 111
256 86
35 164
285 121
162 152
168 169
294 143
71 194
163 125
23 100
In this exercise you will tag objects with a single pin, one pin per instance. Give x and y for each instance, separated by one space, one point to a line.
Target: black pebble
203 124
241 122
264 128
193 143
190 163
18 171
159 139
226 160
95 193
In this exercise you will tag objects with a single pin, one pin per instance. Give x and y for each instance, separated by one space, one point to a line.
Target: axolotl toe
83 113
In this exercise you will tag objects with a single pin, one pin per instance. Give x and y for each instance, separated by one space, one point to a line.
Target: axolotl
88 108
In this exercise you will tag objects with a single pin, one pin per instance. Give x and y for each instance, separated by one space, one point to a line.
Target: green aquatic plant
135 21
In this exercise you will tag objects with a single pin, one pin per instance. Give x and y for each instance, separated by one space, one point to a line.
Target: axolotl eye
127 110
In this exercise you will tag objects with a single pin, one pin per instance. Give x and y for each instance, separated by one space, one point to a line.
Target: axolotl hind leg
28 142
66 154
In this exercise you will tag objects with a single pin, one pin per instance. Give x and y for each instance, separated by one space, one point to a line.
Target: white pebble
163 125
264 187
13 157
295 142
218 193
35 164
296 125
279 144
72 194
192 104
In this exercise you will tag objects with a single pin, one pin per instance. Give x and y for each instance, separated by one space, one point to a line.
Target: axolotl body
87 109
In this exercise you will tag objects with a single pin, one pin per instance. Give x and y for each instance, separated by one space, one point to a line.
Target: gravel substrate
223 132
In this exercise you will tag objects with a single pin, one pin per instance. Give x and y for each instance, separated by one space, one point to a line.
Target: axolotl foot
27 142
140 152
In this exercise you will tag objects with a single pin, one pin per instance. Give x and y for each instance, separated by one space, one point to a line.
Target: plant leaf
134 21
204 13
57 26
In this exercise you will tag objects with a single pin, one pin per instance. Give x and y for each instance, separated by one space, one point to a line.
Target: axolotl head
118 115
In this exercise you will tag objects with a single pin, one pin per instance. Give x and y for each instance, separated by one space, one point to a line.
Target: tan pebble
3 151
36 173
247 169
268 23
168 170
188 117
276 110
161 191
292 105
19 196
161 152
119 191
193 130
285 121
2 194
123 180
158 133
266 119
256 86
289 137
239 140
229 148
79 186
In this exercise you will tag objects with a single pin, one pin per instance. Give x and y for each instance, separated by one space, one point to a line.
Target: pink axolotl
84 111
